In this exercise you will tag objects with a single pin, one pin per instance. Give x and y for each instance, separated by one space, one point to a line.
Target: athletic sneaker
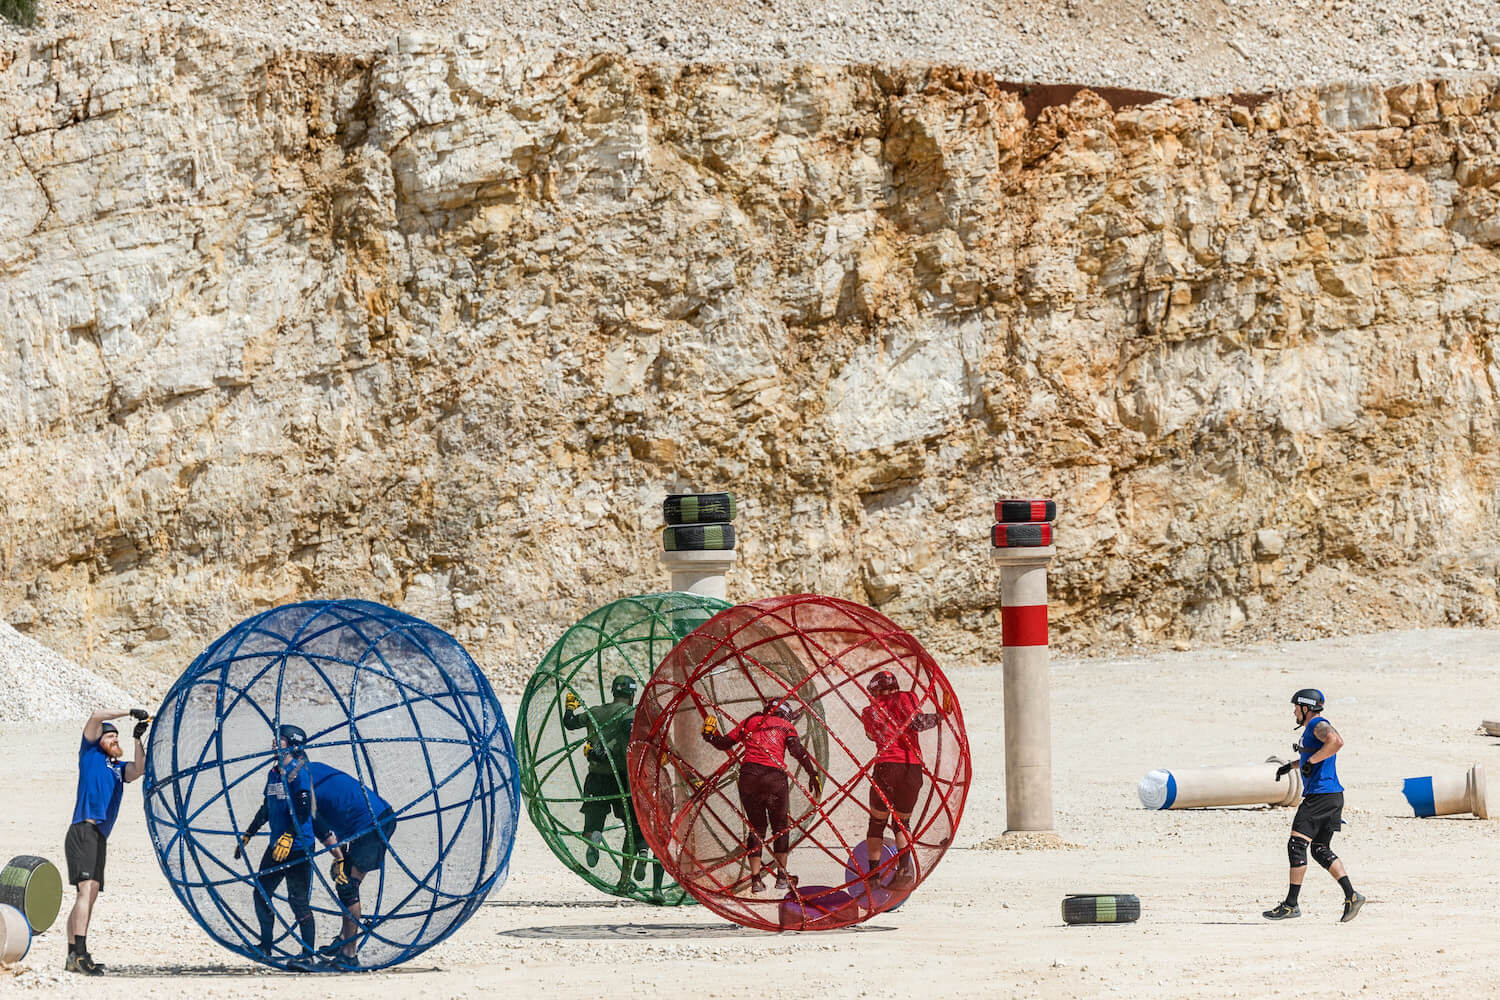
757 884
591 856
1351 907
640 867
658 897
1282 912
781 882
82 964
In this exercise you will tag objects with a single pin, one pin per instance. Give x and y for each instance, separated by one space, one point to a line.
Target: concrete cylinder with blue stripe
1451 793
1228 785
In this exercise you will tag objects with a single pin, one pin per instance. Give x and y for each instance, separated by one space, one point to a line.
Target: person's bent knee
1323 855
1296 851
349 891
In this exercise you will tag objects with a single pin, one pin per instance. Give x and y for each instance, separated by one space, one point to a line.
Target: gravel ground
1187 48
986 922
41 686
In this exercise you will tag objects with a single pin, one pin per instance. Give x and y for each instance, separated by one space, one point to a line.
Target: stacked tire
1023 524
698 522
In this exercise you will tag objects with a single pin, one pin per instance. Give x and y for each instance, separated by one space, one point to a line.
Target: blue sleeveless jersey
1325 777
280 810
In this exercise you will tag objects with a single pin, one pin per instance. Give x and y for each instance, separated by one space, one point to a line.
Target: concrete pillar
1231 785
1449 794
1028 718
696 572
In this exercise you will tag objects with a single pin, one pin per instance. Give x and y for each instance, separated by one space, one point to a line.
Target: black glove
140 728
1281 772
139 714
239 849
1307 769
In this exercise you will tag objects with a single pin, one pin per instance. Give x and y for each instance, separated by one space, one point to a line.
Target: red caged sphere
781 744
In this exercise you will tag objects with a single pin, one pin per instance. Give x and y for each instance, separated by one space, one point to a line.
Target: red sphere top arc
817 655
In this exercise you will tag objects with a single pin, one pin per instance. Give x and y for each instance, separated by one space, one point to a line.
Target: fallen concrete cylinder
15 935
1490 727
1229 785
1449 794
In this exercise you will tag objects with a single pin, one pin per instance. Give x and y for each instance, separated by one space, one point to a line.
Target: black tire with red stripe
1021 511
1021 536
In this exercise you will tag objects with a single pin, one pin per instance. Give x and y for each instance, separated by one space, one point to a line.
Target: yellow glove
283 847
340 872
239 849
710 725
572 703
588 748
816 781
947 701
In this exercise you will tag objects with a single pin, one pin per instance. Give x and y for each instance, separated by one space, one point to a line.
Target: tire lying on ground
698 538
1106 909
698 508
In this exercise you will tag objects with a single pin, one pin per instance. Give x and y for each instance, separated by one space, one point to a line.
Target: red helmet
883 682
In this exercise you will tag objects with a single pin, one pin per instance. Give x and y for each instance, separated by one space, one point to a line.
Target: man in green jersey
604 788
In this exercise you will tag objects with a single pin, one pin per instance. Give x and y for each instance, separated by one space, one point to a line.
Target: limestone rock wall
441 325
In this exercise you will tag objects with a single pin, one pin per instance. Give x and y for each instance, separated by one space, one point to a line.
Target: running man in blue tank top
1322 810
102 776
364 822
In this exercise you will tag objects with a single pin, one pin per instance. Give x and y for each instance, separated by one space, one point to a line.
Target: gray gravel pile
1179 47
41 686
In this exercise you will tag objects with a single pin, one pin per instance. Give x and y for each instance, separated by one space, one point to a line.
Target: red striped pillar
1022 540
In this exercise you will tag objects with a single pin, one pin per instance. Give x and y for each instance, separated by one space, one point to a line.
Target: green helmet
623 686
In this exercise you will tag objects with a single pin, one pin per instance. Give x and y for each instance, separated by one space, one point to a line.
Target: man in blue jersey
102 776
288 805
364 822
1322 810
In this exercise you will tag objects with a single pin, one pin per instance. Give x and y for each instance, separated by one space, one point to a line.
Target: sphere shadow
665 932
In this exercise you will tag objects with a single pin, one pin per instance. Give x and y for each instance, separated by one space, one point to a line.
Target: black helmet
623 685
294 736
783 707
883 683
1309 698
107 727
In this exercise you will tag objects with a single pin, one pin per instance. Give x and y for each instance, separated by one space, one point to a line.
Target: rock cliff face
439 327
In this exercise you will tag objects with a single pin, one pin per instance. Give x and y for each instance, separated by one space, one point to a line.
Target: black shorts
1319 816
766 798
84 849
901 783
367 851
604 791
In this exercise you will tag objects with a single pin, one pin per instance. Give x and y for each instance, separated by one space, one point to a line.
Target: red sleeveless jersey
888 720
765 739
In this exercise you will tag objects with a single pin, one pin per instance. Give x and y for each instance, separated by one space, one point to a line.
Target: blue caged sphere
332 727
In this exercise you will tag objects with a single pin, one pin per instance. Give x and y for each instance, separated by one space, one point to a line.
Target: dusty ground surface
1179 47
986 922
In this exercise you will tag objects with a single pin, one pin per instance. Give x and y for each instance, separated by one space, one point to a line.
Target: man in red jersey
892 723
765 786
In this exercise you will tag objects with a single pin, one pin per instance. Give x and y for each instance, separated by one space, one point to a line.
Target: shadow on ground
657 932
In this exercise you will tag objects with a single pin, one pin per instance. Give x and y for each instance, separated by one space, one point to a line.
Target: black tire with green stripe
698 508
698 538
1107 909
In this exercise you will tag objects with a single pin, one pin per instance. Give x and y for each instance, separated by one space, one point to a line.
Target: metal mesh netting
390 700
571 792
820 653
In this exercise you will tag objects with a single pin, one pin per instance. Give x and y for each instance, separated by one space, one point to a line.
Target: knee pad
876 829
1296 852
782 844
349 892
1323 855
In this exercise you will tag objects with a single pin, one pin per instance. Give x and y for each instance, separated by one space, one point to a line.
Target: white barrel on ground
1451 793
15 935
700 572
1028 717
1225 785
